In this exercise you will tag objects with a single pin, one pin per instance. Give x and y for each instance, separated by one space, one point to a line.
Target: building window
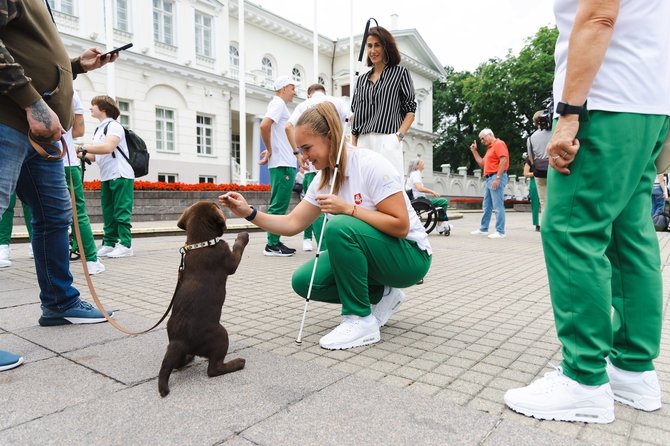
165 126
297 74
64 6
121 17
345 90
203 34
163 21
124 117
419 114
234 61
204 135
235 147
206 179
168 177
266 66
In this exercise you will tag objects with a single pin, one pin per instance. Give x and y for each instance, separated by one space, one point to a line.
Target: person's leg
306 181
441 203
534 202
487 206
87 239
583 269
7 222
123 192
498 202
110 235
42 186
657 200
361 261
27 219
281 186
541 184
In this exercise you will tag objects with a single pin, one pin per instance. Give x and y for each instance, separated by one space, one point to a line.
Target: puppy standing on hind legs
194 328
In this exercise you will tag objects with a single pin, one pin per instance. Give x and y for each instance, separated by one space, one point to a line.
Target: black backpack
661 222
137 150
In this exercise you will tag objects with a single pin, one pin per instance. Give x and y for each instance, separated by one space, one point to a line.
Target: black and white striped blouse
381 107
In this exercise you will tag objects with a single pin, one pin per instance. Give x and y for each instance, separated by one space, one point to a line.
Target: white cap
283 81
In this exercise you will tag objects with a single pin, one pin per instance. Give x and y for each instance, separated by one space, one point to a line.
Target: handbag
540 167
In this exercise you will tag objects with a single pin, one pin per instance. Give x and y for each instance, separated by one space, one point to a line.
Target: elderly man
494 163
613 92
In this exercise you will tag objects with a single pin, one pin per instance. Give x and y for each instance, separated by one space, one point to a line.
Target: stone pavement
480 324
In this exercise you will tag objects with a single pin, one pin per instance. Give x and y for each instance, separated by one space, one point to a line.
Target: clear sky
461 33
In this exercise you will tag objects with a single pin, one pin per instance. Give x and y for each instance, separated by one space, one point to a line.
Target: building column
256 149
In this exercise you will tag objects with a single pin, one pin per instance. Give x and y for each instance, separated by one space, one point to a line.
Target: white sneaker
30 251
391 301
307 245
557 397
5 254
5 263
497 235
354 331
640 390
105 250
95 267
120 251
479 232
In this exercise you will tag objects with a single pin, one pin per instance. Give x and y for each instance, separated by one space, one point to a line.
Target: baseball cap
283 81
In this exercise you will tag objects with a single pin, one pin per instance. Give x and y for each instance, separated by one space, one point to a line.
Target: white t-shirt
370 178
71 158
415 177
282 153
635 75
112 167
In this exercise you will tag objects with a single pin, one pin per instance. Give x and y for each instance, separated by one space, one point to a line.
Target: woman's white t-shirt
113 167
415 177
70 159
370 178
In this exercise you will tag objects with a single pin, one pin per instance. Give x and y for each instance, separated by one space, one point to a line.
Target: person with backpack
110 150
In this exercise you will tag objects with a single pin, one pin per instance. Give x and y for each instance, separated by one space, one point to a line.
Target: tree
502 94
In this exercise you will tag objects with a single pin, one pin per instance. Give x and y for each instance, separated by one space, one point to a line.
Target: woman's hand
332 204
236 203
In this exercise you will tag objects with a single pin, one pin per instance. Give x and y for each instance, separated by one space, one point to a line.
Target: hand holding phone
116 50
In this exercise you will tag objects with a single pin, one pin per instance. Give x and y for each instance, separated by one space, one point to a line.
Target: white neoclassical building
179 85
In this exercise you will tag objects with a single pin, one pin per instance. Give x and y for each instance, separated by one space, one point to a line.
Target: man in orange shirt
495 164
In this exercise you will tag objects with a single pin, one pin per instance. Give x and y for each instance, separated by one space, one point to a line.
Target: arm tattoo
40 113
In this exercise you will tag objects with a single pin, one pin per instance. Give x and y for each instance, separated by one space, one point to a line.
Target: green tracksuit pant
601 249
534 202
82 215
7 221
116 199
281 188
359 262
317 224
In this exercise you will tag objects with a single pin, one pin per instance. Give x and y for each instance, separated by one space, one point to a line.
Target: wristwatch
400 136
563 108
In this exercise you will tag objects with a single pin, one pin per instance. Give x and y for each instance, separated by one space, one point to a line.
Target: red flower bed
159 185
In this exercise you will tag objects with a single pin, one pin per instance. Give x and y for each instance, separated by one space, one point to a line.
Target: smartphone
116 50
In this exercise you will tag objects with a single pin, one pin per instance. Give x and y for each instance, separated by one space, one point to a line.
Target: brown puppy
194 328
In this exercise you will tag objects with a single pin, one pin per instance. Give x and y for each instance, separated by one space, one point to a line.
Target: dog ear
181 224
220 219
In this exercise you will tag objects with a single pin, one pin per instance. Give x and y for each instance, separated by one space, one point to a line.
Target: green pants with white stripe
281 188
601 249
116 200
359 262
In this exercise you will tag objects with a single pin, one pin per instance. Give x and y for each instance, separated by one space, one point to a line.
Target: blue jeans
494 201
657 200
41 184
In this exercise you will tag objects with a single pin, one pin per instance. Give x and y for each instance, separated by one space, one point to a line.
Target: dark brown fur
194 328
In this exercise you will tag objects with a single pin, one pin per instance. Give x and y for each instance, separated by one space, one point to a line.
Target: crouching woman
376 243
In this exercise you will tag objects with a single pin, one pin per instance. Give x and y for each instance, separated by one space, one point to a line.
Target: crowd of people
602 262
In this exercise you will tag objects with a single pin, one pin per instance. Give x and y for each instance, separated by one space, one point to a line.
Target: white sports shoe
354 331
557 397
391 301
479 232
104 250
120 251
5 253
95 267
307 245
640 390
497 235
30 251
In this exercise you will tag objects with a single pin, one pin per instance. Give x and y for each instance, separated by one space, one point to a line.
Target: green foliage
501 94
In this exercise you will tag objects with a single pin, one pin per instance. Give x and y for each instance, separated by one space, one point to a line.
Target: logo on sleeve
358 199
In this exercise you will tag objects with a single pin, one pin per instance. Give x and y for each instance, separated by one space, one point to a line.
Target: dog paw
243 237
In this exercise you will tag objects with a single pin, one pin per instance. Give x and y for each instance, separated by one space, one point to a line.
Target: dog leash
89 282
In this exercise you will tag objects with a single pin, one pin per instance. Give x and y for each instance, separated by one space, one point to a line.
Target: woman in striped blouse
383 104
